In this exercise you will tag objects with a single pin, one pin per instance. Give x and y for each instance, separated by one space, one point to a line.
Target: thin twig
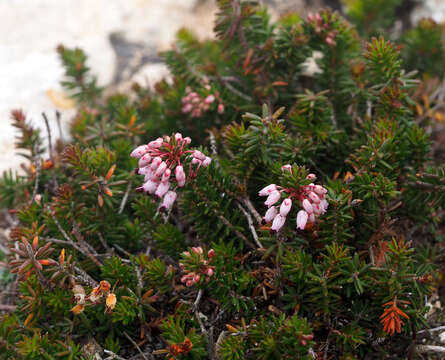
136 345
125 198
430 348
431 330
251 208
197 300
5 307
37 166
51 153
59 125
252 228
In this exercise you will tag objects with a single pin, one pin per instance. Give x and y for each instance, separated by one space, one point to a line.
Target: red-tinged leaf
246 62
279 83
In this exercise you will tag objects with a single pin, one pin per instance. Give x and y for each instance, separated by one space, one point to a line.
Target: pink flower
311 177
155 163
187 108
267 190
324 204
285 207
161 168
199 155
197 250
278 223
180 175
155 144
302 217
286 168
178 137
187 140
311 218
162 189
220 109
209 271
211 253
320 190
207 161
209 99
273 197
168 201
307 206
314 198
166 175
144 160
139 151
270 214
149 186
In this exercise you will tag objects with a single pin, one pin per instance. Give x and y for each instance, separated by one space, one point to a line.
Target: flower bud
166 175
178 137
144 160
169 199
211 253
207 161
220 109
273 197
267 190
199 155
302 217
314 198
209 272
278 223
307 206
156 144
209 99
270 214
320 190
197 250
285 207
196 278
162 189
161 168
285 168
311 177
187 108
150 186
155 163
139 151
180 175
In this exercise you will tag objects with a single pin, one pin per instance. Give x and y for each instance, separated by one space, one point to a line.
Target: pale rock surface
30 30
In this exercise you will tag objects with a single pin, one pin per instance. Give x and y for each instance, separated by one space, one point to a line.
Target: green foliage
96 259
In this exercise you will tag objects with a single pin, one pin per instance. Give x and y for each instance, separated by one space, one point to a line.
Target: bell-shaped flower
273 197
267 190
162 189
285 207
139 151
270 214
302 217
278 223
307 206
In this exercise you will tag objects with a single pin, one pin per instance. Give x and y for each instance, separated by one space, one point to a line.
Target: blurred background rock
122 39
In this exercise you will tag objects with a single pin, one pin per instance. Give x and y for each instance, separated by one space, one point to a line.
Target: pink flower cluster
161 162
321 27
201 266
195 104
312 199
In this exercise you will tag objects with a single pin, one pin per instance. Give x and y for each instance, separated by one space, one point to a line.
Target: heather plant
142 236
